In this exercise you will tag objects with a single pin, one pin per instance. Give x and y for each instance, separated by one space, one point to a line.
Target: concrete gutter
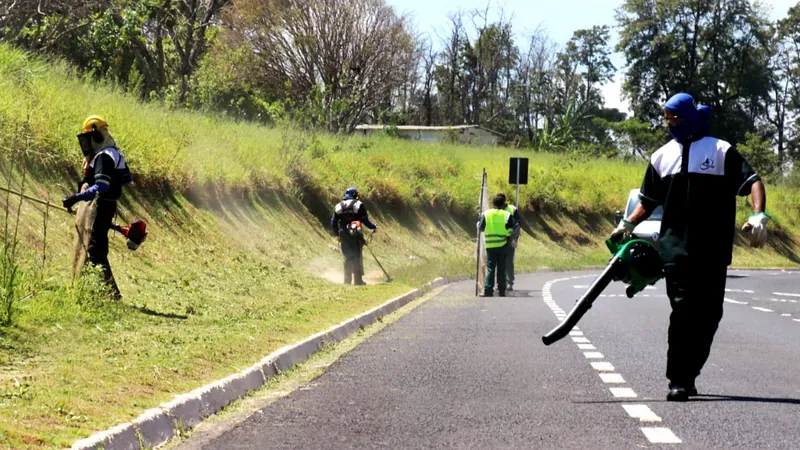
157 426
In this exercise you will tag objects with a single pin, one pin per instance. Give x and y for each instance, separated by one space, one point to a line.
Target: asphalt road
466 372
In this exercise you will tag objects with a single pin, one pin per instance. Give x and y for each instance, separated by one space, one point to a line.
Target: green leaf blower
635 263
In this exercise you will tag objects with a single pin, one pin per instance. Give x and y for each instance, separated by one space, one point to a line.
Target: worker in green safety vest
513 235
496 223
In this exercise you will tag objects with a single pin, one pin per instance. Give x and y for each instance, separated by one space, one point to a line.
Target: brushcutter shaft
33 199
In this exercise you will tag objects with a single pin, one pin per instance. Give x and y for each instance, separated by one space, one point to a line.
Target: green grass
238 262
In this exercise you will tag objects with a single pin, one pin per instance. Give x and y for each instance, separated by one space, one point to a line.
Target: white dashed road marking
611 378
606 369
623 392
661 436
740 290
786 294
730 300
641 412
758 308
786 315
603 366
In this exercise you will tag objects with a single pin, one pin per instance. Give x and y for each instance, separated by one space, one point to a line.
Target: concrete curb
157 426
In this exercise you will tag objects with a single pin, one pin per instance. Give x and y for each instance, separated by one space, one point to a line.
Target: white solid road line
786 294
660 436
603 366
758 308
623 392
587 347
641 412
611 378
730 300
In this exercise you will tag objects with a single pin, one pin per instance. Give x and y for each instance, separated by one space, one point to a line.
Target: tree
786 85
718 51
590 50
346 56
150 44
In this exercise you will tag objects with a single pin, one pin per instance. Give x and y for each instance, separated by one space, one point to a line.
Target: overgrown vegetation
345 62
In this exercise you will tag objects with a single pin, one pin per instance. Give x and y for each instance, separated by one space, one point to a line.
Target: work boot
510 287
678 394
488 293
502 293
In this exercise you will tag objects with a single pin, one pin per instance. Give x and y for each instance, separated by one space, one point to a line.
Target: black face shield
85 141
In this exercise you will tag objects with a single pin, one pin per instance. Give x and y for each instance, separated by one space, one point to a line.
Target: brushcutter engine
354 228
136 233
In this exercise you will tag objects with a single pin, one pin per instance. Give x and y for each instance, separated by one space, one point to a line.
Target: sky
558 18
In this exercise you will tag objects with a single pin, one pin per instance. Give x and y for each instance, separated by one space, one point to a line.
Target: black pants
98 243
496 269
353 261
696 293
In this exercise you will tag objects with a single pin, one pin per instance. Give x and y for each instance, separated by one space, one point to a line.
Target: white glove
756 226
624 228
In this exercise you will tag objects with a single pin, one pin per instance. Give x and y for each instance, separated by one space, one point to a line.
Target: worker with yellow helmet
105 173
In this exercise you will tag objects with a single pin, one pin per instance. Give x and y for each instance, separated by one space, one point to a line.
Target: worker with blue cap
696 178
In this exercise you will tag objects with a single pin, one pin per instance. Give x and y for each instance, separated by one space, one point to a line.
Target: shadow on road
519 293
738 398
710 398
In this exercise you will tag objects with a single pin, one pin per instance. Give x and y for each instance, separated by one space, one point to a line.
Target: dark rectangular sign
523 171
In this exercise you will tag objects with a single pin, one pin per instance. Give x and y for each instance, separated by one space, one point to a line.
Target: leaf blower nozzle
635 263
136 233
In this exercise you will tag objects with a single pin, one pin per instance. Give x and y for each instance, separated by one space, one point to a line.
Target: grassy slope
238 262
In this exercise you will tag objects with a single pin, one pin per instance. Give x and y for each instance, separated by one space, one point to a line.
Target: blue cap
350 194
684 106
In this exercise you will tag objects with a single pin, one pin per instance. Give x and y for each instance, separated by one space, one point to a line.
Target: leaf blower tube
635 263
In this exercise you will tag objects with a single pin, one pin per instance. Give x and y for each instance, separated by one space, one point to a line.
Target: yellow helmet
93 123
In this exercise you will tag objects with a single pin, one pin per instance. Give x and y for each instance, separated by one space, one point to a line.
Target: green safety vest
510 209
496 233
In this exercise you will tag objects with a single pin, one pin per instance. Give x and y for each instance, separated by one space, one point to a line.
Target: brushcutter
355 230
635 263
366 244
135 233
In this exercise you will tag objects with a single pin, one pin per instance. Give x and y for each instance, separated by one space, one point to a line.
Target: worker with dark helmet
105 173
349 216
